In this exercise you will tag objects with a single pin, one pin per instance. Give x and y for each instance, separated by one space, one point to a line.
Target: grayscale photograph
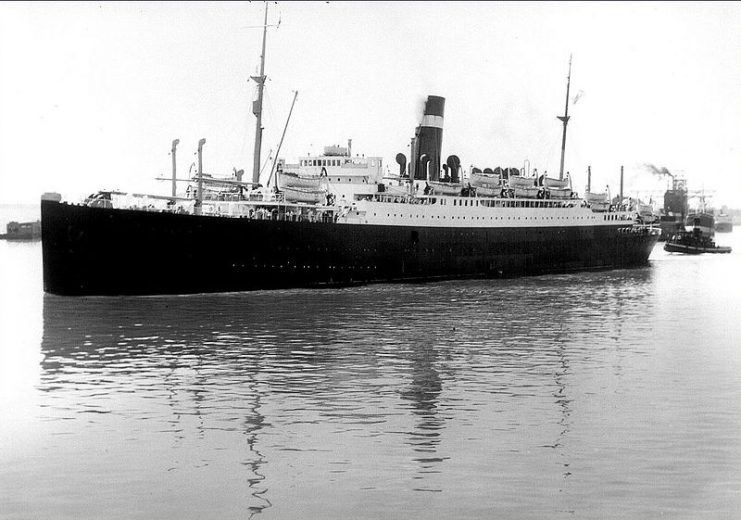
370 260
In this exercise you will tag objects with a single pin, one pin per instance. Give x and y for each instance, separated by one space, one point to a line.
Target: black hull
97 251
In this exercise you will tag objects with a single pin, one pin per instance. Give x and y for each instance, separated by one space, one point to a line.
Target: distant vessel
703 220
231 235
723 221
673 215
701 217
23 231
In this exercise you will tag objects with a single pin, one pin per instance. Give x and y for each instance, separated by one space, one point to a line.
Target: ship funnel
430 139
401 160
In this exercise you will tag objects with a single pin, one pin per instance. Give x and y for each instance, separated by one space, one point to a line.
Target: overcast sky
93 94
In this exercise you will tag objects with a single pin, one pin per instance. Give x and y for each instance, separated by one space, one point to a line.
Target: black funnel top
435 106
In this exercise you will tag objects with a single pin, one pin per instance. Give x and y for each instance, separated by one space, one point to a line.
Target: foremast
257 104
565 119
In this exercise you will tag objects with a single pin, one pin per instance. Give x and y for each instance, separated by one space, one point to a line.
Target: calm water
597 395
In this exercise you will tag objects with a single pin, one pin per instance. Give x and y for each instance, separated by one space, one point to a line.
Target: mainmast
257 104
565 119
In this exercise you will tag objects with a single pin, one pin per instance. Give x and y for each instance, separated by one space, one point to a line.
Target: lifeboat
307 195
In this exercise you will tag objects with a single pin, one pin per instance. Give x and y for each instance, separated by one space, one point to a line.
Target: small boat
445 188
23 231
516 181
693 242
307 195
550 182
597 198
295 180
527 192
491 181
559 193
483 191
598 201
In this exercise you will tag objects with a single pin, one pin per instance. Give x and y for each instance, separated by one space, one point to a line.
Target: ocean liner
334 220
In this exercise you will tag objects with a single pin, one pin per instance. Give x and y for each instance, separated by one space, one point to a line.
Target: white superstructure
346 175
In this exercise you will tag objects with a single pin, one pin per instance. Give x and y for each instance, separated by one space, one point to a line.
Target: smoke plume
658 171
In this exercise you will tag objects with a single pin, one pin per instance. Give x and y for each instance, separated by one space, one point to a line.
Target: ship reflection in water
526 398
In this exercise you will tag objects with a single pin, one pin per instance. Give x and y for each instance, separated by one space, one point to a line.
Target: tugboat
698 240
693 243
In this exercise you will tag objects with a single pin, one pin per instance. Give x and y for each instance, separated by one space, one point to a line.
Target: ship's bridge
338 161
347 175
